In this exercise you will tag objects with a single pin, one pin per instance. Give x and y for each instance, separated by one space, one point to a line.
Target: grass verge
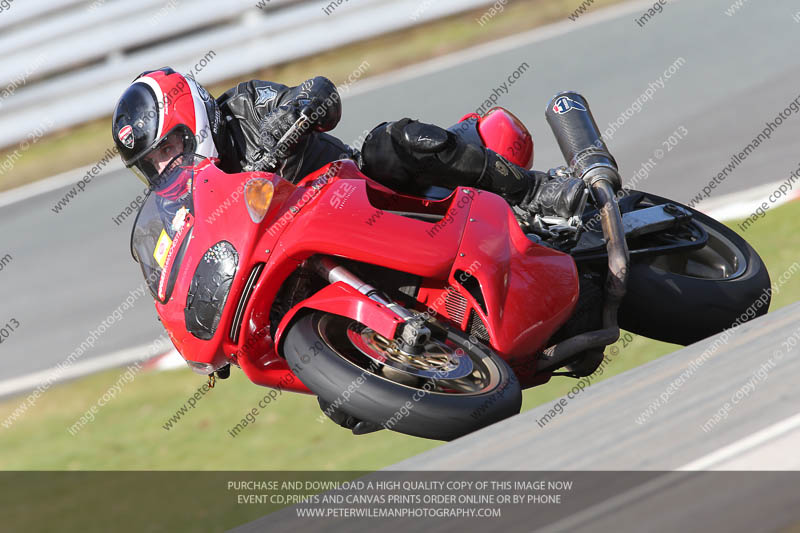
129 434
85 145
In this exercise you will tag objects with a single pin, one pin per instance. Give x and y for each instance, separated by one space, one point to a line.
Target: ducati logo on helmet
125 136
565 105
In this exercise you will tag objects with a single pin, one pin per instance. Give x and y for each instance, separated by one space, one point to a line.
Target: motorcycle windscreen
159 239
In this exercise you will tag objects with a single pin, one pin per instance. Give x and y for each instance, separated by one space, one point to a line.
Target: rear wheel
688 295
452 388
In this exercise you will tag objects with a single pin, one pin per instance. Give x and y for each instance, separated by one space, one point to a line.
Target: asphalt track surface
71 270
754 372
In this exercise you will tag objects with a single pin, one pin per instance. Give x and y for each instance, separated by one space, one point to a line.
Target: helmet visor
159 167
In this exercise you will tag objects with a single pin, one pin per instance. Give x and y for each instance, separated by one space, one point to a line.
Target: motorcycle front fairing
197 263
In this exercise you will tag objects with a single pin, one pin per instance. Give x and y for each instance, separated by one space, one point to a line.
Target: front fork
414 333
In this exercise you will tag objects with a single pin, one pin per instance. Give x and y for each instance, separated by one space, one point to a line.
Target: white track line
167 361
84 368
746 444
743 204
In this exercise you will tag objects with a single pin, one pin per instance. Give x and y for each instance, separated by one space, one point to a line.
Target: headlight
209 290
201 368
258 195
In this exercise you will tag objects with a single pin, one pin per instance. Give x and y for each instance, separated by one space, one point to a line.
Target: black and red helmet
164 104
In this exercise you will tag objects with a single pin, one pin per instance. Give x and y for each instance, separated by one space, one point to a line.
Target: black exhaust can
578 136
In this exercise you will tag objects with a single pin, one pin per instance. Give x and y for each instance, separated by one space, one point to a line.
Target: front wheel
688 295
452 388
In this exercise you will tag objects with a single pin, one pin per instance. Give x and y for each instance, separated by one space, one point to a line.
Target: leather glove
558 196
275 125
322 97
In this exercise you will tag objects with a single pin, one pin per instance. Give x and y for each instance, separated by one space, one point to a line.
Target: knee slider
424 138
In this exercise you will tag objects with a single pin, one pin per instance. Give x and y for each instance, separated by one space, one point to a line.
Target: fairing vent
236 325
477 327
455 304
469 282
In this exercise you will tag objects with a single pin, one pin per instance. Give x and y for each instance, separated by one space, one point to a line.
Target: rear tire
320 354
688 296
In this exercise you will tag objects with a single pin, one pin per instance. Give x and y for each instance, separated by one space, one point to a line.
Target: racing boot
407 155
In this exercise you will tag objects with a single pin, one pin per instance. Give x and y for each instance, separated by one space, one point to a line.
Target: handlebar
287 141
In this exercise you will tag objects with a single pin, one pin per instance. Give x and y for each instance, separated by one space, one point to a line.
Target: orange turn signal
258 196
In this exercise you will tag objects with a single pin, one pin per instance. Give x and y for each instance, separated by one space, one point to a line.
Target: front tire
325 353
688 296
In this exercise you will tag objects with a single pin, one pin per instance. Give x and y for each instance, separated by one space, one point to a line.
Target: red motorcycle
428 315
